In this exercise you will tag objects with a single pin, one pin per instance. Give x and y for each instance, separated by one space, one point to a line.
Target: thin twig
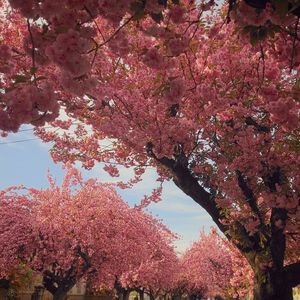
263 61
96 49
294 44
190 69
32 52
94 21
115 33
290 33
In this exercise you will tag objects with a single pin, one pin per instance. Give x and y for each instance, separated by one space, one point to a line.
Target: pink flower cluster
67 51
28 104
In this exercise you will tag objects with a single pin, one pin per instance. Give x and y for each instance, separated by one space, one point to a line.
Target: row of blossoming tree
84 231
207 95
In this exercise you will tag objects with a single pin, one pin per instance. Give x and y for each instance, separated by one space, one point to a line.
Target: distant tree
206 266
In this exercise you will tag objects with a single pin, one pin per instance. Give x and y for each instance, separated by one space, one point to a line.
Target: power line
29 129
19 141
31 139
101 162
34 139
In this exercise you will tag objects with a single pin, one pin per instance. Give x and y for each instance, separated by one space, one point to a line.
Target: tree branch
87 261
190 186
278 215
184 179
278 239
292 273
249 195
48 282
260 128
32 52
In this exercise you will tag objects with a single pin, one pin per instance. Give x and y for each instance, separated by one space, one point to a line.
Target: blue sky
27 163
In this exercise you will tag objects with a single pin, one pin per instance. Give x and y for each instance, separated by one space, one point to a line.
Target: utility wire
19 141
31 139
101 162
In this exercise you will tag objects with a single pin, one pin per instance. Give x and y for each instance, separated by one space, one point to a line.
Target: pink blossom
177 14
178 45
153 59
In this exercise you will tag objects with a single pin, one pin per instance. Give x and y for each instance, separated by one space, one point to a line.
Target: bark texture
271 286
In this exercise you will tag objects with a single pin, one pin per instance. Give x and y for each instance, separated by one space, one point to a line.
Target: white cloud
175 206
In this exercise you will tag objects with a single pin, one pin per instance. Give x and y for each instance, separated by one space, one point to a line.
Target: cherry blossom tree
212 266
15 218
152 263
207 267
156 271
80 229
178 86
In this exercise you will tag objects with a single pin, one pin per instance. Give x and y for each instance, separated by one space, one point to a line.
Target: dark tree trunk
120 295
151 296
60 295
58 287
141 293
3 294
119 290
4 286
176 296
126 294
38 293
271 286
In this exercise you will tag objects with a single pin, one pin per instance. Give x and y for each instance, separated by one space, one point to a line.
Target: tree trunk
141 293
120 295
60 295
4 286
126 294
3 294
58 289
271 286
